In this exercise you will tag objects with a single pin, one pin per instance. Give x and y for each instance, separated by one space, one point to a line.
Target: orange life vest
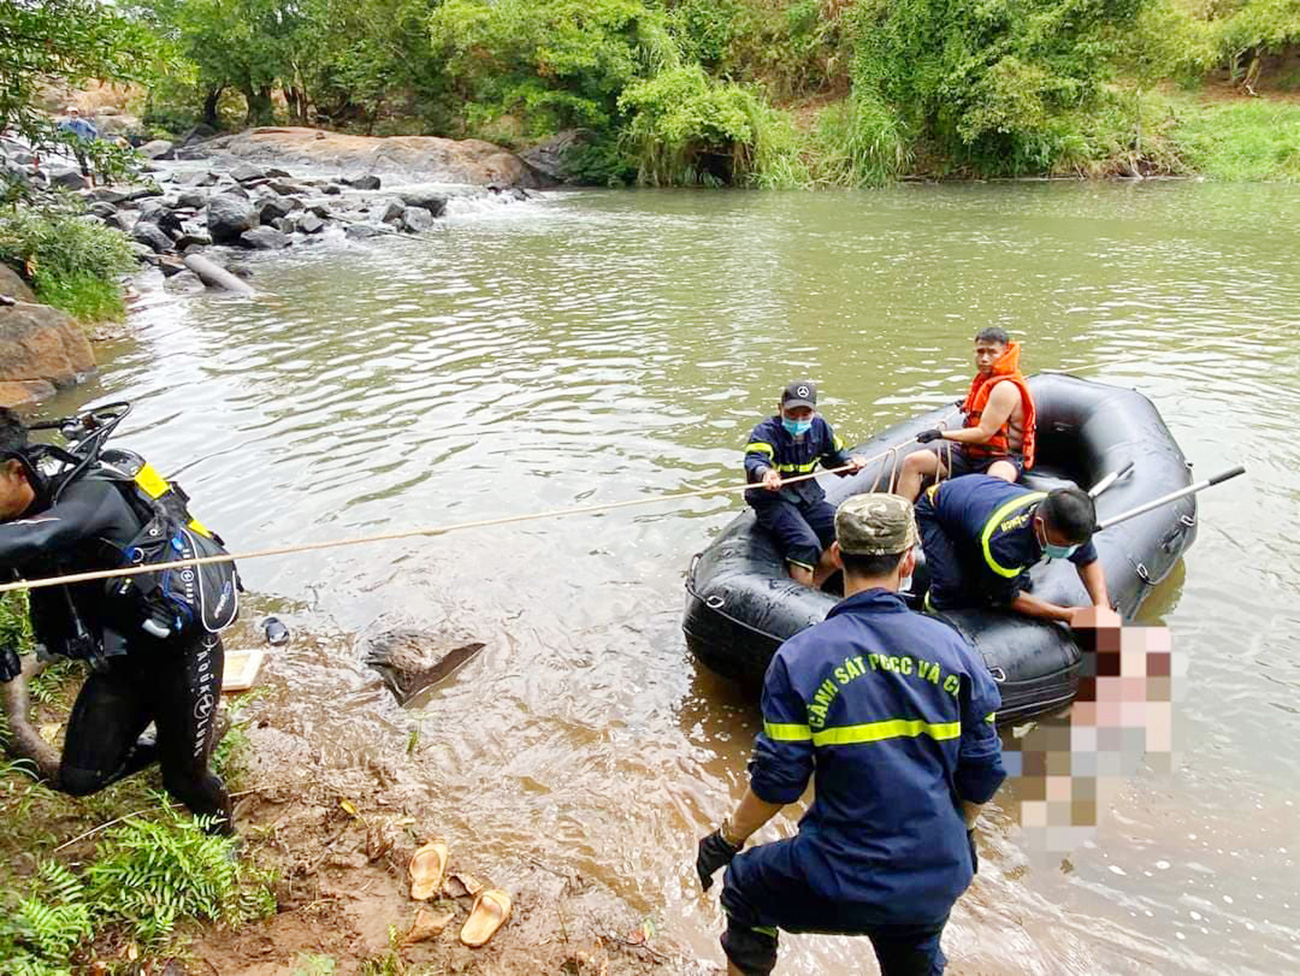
1005 369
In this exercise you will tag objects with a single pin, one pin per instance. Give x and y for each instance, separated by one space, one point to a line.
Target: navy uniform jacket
772 446
893 713
991 526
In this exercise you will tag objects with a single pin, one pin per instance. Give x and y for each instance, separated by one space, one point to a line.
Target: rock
331 190
157 212
143 252
263 239
106 194
188 240
285 225
158 149
41 348
367 182
13 286
276 174
321 211
68 177
309 223
246 173
151 234
359 232
435 203
417 220
184 281
228 218
104 211
191 200
283 188
411 661
198 134
269 208
170 266
143 192
387 210
201 178
551 158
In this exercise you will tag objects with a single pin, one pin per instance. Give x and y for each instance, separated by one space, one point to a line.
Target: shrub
74 262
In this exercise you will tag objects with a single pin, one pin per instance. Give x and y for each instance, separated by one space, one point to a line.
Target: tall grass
1256 139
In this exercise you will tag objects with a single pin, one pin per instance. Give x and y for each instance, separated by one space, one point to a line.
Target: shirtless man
997 437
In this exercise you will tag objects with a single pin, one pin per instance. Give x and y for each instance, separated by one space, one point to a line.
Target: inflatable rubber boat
741 605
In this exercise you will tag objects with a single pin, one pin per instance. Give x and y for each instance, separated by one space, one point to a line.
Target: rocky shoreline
222 194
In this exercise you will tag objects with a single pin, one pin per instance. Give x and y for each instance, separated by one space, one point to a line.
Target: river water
592 347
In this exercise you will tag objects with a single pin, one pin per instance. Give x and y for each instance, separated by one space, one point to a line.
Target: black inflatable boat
741 605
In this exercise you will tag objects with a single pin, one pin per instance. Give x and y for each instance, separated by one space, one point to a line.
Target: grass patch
1254 139
86 298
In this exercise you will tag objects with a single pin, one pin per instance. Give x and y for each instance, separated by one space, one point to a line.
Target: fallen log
215 276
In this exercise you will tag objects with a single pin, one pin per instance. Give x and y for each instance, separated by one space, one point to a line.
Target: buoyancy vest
1005 370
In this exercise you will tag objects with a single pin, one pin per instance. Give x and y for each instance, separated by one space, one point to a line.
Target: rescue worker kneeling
892 713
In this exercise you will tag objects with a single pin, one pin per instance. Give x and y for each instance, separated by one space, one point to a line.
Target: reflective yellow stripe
801 468
200 528
778 732
991 718
151 482
991 526
836 442
894 728
759 447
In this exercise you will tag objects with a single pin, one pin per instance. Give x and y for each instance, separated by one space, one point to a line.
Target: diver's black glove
974 856
715 853
161 622
11 665
926 436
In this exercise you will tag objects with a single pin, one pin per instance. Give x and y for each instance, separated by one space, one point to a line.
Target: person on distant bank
789 444
997 436
83 131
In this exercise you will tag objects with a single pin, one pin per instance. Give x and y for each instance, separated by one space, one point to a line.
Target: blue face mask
796 427
1058 552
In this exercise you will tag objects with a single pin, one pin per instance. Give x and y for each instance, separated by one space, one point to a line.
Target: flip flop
491 909
426 868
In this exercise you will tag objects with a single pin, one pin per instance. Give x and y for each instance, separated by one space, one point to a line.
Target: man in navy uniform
787 445
981 535
892 713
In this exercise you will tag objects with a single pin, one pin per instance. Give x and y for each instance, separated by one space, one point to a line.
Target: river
596 346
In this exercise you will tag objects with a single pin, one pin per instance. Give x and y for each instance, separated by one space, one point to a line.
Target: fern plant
58 919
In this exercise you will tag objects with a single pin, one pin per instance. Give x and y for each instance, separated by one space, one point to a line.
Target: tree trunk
25 739
259 106
210 107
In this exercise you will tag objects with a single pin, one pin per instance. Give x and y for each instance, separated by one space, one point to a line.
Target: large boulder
552 158
41 348
67 175
386 211
228 217
198 134
435 203
368 182
359 232
271 207
247 173
309 223
263 239
158 149
151 234
202 177
191 200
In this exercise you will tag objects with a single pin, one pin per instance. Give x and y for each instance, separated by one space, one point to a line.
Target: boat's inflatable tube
741 605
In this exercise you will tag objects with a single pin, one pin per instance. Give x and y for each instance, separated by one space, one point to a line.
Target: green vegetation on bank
72 263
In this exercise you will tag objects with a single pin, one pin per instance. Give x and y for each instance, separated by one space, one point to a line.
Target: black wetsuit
174 683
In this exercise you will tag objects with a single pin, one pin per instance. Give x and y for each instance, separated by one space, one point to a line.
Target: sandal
426 869
491 908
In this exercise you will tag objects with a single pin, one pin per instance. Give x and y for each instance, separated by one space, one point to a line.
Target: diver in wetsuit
138 678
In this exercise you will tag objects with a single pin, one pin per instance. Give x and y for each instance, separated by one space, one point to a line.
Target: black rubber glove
715 853
926 436
11 665
974 855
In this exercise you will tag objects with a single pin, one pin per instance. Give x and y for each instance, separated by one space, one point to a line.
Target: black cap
800 393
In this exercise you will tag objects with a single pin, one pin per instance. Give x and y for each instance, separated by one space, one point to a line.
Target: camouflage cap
875 524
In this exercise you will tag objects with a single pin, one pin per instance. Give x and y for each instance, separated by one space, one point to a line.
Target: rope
418 533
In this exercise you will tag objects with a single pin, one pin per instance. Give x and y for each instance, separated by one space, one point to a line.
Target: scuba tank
168 602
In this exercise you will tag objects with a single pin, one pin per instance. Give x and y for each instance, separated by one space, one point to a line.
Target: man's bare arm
1094 581
1002 402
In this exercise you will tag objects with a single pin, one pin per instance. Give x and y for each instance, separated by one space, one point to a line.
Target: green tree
69 41
553 64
